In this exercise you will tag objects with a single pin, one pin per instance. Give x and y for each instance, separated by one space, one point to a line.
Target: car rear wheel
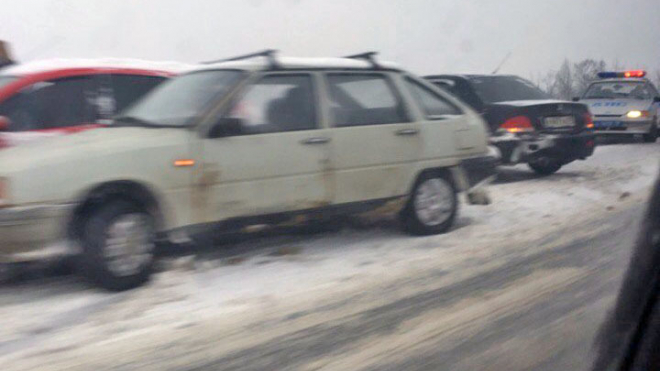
652 135
118 244
545 165
432 206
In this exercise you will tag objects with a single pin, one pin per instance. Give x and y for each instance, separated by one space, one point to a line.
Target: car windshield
176 102
6 80
493 89
618 90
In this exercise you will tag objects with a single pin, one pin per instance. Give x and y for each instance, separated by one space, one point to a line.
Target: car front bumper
565 147
619 127
33 232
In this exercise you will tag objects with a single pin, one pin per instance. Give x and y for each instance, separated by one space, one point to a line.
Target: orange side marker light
184 163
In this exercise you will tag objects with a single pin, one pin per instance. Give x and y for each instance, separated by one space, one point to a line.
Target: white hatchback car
242 142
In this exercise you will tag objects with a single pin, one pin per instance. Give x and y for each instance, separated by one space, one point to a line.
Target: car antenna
268 53
368 56
506 58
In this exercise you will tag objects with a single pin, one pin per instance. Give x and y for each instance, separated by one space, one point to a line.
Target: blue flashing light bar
625 74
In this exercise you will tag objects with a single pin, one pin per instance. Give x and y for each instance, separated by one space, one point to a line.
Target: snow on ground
276 273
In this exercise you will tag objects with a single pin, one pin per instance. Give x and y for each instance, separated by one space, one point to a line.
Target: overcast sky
425 36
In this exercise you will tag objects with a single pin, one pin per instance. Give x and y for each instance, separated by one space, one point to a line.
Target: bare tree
547 83
564 81
656 78
573 79
585 72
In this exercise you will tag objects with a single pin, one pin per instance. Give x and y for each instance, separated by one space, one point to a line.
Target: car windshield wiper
135 121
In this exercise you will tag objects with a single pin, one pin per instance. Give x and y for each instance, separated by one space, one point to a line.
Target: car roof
628 79
291 63
50 65
465 76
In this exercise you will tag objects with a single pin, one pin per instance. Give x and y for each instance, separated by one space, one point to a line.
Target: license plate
607 124
559 122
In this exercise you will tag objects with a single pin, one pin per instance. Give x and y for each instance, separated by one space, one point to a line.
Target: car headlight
637 114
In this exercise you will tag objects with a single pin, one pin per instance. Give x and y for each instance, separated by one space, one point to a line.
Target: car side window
129 88
446 84
52 104
434 106
277 103
363 99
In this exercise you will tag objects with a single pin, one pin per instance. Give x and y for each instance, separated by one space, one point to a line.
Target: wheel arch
451 173
129 190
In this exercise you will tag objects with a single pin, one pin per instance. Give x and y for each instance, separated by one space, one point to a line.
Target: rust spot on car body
202 197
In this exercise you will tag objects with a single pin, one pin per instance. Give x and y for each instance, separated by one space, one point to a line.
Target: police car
624 103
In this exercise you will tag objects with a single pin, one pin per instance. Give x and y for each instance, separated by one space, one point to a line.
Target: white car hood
75 147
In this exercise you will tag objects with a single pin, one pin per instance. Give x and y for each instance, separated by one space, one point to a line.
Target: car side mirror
576 99
227 127
5 122
656 99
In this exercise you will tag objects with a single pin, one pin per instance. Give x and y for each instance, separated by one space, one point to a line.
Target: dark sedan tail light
518 124
588 121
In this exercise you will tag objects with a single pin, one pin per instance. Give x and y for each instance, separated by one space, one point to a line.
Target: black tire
412 220
545 166
95 266
652 135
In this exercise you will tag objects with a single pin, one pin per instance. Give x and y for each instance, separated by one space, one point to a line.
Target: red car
55 97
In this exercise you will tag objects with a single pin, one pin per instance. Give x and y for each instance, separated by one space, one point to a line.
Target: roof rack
268 53
369 57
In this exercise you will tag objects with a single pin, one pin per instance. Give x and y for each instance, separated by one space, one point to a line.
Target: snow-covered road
208 305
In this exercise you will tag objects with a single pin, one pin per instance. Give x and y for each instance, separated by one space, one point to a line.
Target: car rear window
618 89
493 89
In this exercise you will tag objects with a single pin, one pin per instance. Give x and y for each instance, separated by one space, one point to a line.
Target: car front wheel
118 244
432 206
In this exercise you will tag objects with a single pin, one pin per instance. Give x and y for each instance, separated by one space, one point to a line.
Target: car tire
652 135
545 166
432 206
118 243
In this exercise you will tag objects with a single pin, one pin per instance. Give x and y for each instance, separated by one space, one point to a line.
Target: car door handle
315 140
407 132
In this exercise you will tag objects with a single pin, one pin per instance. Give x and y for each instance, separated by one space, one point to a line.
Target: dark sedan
526 125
